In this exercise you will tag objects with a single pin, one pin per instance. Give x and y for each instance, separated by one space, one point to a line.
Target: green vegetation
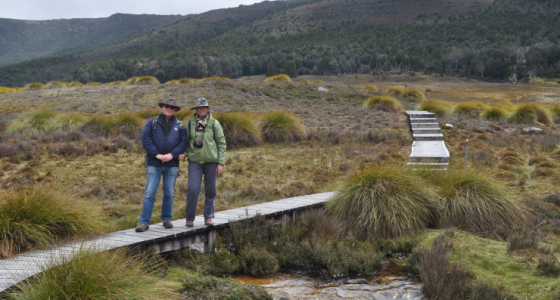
531 113
384 103
555 111
282 126
41 215
369 87
74 84
413 95
93 83
471 109
384 201
33 86
55 85
66 122
240 129
4 90
279 77
494 113
88 274
196 286
143 80
438 107
175 81
33 122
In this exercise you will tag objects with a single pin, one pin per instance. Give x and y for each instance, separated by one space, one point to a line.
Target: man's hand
167 157
181 157
219 169
160 157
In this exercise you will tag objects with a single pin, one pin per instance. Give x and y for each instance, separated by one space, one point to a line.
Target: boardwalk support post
294 217
210 244
284 220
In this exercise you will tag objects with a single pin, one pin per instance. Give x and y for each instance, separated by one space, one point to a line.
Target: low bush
494 114
471 109
318 81
240 129
384 202
207 288
304 81
475 202
142 80
175 81
118 82
438 107
279 77
88 274
531 113
282 126
413 95
187 80
74 84
33 122
100 126
397 91
66 122
55 85
40 215
523 240
383 103
93 83
33 86
548 266
4 90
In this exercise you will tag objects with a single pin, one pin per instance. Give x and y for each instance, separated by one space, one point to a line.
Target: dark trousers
196 171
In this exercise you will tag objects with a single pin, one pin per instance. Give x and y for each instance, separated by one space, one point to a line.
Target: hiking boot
190 223
208 222
142 227
167 224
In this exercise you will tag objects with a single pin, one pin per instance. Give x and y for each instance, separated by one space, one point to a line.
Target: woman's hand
181 157
219 169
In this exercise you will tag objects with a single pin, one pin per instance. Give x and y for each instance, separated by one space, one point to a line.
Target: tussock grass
175 81
143 80
100 126
494 113
89 274
55 85
184 115
506 106
148 113
33 86
438 107
531 113
4 90
473 201
33 122
74 84
554 110
384 202
318 81
370 87
304 81
282 126
240 129
118 82
129 125
40 215
414 95
93 83
187 80
397 91
66 122
383 103
279 77
471 109
215 78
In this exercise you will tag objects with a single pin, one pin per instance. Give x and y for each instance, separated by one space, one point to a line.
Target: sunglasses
169 106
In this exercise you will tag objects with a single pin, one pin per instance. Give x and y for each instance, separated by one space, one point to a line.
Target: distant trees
271 70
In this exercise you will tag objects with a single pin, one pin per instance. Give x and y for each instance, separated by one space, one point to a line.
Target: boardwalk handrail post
210 244
466 153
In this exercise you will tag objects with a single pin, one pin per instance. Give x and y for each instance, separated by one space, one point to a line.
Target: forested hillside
480 39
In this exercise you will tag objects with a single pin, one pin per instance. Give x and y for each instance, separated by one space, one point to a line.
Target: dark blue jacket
155 142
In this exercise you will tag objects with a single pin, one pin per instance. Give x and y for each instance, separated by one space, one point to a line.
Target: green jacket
214 142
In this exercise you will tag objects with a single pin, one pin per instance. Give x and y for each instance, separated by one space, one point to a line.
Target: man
164 139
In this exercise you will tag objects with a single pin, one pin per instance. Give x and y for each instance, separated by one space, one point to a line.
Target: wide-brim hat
201 102
170 102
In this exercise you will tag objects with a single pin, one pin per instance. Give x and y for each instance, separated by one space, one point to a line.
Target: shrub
281 126
397 91
438 107
118 82
473 201
172 82
33 122
384 202
4 90
383 103
413 95
184 115
555 111
148 113
530 113
548 266
240 129
304 81
129 125
470 109
258 262
208 287
93 83
55 85
100 126
494 114
279 77
66 122
88 274
32 86
74 84
318 81
40 215
187 80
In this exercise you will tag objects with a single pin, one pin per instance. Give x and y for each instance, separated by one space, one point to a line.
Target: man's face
168 110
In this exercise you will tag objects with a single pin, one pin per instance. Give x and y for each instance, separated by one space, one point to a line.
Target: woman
206 154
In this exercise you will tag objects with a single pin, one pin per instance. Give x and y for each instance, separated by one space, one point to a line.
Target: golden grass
318 81
436 106
188 80
384 103
305 81
471 109
282 126
369 87
74 84
118 82
33 122
215 78
33 86
240 129
175 81
55 85
530 113
279 77
143 80
93 83
4 90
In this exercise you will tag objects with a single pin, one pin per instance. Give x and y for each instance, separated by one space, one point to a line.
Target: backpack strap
217 148
154 123
189 128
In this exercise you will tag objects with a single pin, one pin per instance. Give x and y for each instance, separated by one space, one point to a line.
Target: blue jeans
152 183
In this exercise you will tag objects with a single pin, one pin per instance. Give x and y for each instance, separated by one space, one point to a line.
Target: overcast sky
70 9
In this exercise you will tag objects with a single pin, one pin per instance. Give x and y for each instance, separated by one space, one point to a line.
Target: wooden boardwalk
428 147
26 265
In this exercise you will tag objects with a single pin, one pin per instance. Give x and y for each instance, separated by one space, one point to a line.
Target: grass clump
438 107
554 110
548 266
33 86
129 125
118 82
89 274
282 126
41 215
148 113
74 84
4 90
397 91
184 115
531 113
279 77
384 202
143 80
471 109
33 122
93 83
66 122
414 95
55 85
494 113
100 126
304 81
187 80
370 87
473 201
383 103
240 129
215 78
196 286
175 81
318 81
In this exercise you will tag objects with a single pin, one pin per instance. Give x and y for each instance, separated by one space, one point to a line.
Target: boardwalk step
424 125
424 120
428 137
419 114
425 130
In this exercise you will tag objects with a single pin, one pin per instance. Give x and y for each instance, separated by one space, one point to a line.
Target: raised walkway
428 147
26 265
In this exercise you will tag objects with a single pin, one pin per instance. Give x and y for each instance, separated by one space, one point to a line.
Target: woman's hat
169 102
201 102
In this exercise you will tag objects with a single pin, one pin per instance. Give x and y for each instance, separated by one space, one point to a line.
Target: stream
389 282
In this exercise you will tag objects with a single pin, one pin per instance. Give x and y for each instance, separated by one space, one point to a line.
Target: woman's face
202 111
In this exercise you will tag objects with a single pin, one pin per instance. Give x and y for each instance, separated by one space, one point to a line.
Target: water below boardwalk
389 282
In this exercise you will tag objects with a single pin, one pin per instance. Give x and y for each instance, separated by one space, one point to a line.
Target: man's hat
169 102
201 102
